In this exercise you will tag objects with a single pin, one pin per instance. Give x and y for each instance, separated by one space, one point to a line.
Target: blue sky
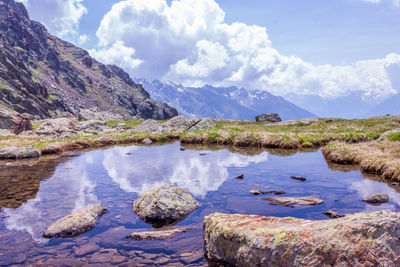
318 31
328 48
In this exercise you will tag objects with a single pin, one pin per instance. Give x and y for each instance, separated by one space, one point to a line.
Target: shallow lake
37 193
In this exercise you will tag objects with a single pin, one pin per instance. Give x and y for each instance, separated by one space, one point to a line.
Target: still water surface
34 195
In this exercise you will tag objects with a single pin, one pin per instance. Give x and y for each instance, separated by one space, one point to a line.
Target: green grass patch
393 137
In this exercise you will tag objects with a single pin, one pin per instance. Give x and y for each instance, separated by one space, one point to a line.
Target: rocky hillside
222 102
45 76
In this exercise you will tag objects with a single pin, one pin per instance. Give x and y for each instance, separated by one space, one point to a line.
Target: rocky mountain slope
45 76
389 106
227 103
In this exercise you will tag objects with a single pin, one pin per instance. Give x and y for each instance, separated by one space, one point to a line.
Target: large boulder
97 115
24 152
63 127
268 117
76 223
363 239
179 124
166 205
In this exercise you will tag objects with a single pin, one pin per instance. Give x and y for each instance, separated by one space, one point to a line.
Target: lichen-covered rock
363 239
160 234
333 214
204 124
377 199
268 117
8 119
147 141
56 127
25 152
179 124
76 223
165 205
293 201
149 126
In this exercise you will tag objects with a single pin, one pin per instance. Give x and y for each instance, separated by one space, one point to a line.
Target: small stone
182 149
332 214
255 192
147 141
240 176
275 192
203 154
160 234
377 199
298 178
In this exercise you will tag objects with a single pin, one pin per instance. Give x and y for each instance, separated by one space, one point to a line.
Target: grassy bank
378 157
286 135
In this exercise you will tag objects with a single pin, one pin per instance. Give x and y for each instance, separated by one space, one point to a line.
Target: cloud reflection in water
139 173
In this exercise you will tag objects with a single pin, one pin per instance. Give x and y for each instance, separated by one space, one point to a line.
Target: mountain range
222 102
45 76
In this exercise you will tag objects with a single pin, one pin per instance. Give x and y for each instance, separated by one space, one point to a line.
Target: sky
313 47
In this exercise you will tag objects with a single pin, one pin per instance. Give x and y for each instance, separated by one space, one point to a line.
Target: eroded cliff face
45 76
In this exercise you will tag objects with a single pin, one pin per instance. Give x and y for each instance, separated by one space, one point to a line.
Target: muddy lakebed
34 194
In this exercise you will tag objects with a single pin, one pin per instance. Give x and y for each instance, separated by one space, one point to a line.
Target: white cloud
396 3
60 17
188 42
118 54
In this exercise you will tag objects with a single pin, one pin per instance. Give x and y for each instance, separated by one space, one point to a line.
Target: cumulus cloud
60 17
189 42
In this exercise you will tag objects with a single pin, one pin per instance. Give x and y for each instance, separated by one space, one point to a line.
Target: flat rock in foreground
76 223
165 205
160 234
293 201
24 152
363 239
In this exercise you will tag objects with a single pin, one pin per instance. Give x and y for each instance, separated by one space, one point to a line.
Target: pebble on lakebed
299 178
76 223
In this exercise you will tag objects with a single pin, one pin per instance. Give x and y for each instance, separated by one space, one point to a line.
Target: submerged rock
377 199
24 152
240 176
268 117
299 178
293 201
363 239
160 234
165 205
76 223
275 192
333 214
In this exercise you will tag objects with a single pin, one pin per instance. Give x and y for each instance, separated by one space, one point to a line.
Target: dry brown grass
382 158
